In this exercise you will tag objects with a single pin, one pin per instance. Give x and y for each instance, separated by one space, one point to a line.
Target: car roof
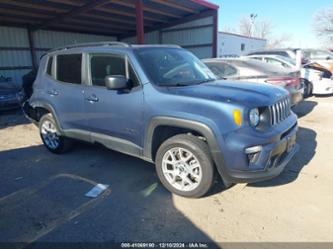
107 45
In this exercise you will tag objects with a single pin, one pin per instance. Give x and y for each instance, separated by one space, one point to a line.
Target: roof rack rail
90 44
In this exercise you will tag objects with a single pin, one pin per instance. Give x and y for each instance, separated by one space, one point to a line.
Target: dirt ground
42 196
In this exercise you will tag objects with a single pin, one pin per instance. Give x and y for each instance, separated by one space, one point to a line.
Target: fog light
253 153
253 157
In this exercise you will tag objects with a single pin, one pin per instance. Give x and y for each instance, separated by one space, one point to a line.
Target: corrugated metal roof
108 17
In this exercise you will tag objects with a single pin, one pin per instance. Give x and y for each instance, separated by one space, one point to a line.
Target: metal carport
45 24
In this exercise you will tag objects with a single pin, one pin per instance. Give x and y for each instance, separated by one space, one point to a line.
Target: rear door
65 90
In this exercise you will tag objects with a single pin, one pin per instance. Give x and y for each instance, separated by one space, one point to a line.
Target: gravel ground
42 196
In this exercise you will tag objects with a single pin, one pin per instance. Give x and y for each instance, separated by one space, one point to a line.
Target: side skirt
113 143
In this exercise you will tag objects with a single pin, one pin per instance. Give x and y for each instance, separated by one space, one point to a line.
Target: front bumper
276 150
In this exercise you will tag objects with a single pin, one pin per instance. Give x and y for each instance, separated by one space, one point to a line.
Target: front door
115 113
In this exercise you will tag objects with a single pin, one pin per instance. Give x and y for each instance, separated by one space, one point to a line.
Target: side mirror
116 82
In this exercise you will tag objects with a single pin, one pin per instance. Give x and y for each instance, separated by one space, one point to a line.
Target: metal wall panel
52 39
14 58
18 38
199 22
196 36
13 37
202 52
150 38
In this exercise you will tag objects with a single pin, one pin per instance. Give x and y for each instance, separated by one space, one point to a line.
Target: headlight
254 117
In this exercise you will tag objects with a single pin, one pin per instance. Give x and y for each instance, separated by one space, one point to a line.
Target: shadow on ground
304 108
42 199
306 138
12 118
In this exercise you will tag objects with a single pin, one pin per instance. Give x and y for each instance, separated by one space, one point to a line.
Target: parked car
316 80
287 52
322 57
162 104
259 72
10 94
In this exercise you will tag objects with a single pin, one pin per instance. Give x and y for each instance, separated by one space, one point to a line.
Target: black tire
200 150
64 144
307 88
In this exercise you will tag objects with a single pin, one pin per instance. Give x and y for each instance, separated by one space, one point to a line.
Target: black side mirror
116 82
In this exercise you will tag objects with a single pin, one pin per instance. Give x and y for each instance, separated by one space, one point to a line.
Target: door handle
92 98
53 92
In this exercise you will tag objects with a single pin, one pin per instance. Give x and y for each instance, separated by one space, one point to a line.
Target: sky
290 17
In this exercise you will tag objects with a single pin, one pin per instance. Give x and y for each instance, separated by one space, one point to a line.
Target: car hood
249 94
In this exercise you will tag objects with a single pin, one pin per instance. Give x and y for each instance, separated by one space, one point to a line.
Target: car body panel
310 72
259 72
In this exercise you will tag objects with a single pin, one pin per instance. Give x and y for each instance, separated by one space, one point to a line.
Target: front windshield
173 67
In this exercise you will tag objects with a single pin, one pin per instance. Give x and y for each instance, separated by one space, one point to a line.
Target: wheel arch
162 128
36 109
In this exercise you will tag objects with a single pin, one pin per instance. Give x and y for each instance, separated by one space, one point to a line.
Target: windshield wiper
205 81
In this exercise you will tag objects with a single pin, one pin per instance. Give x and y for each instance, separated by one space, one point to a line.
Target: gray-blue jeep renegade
162 104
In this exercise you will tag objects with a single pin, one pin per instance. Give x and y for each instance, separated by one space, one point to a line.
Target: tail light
285 81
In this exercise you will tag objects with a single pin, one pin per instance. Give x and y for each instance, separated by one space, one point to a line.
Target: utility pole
253 18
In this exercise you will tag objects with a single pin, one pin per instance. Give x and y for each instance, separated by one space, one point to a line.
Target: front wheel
51 137
184 166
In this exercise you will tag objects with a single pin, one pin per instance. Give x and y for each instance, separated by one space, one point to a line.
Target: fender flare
199 127
42 104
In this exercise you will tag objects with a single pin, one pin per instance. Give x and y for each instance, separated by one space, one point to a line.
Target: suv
162 104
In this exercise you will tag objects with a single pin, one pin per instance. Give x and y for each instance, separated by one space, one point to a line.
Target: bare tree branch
262 29
278 42
323 23
245 26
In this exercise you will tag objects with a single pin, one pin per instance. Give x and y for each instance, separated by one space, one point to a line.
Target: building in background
229 44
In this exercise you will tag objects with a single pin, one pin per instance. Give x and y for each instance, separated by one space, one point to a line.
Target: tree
278 42
323 23
249 27
262 29
245 26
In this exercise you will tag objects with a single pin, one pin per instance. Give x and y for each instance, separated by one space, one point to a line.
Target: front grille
279 111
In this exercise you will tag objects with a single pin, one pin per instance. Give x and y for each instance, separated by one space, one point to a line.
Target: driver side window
102 65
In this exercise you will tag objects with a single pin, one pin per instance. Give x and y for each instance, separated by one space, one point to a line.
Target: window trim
55 68
88 57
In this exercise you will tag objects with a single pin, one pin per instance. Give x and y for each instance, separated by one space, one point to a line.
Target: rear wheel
51 137
184 166
307 88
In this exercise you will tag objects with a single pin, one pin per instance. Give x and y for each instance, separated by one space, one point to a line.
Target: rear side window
106 64
69 68
49 66
221 69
